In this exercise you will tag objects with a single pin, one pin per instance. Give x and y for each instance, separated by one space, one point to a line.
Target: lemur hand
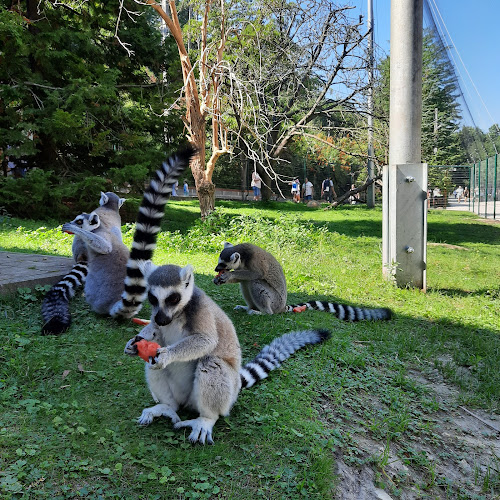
221 278
161 360
131 348
69 228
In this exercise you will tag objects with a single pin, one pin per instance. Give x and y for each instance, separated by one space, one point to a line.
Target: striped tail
342 311
276 352
55 306
147 228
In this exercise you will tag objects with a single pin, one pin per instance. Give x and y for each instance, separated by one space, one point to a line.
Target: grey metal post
370 192
405 178
486 190
495 189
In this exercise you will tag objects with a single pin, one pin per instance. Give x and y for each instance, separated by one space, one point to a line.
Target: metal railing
484 184
475 188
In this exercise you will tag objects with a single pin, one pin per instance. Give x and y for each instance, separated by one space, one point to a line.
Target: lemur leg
252 307
161 392
264 297
215 389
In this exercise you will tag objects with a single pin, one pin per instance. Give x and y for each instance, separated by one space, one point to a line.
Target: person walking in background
256 185
307 190
186 188
327 190
295 190
174 188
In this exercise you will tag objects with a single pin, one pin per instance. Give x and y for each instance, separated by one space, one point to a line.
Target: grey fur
107 255
55 306
198 364
263 285
260 275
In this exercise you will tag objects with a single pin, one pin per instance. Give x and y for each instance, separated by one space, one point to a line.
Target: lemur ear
104 199
146 267
94 219
121 201
227 244
186 273
235 257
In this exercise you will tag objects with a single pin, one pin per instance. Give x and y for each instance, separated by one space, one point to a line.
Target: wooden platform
19 270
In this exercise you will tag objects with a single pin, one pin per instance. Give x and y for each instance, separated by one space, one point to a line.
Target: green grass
69 403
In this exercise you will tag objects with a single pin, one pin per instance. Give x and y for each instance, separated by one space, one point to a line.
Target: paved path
27 270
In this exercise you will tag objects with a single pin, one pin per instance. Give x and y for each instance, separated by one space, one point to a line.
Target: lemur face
170 289
89 222
228 261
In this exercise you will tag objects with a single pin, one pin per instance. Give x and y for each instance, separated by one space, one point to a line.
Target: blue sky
474 28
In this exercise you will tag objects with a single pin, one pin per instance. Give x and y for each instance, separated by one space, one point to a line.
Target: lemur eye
79 222
152 299
173 299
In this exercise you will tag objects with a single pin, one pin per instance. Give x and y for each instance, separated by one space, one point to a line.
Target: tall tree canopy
73 102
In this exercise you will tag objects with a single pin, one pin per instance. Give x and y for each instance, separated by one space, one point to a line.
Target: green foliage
75 103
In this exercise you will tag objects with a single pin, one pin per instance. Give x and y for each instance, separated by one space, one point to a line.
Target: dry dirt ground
459 458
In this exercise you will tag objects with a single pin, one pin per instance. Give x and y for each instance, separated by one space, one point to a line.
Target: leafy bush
40 195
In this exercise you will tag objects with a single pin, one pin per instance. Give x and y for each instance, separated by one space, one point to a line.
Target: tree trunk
266 190
206 195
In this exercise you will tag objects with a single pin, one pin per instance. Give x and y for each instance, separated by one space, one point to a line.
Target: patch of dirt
454 454
447 245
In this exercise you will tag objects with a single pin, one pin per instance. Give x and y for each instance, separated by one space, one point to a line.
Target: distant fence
485 188
475 188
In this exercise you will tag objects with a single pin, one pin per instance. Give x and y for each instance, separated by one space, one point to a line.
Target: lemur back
263 285
198 364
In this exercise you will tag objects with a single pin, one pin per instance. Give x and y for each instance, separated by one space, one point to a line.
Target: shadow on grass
460 233
455 292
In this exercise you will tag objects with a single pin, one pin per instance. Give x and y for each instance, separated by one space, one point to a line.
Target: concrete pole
370 193
405 178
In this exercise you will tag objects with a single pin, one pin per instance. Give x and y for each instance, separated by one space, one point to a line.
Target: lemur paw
241 308
146 417
253 311
201 429
161 360
131 348
68 228
221 278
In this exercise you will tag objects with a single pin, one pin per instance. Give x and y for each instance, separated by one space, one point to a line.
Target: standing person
186 188
295 190
333 194
256 185
466 193
460 193
307 190
174 188
327 191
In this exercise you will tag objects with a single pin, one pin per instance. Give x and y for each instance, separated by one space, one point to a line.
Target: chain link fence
475 188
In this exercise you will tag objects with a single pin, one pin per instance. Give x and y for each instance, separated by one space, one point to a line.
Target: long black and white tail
276 352
147 228
342 311
55 306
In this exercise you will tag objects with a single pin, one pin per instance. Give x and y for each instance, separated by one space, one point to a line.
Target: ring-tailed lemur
97 246
114 283
263 285
199 362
